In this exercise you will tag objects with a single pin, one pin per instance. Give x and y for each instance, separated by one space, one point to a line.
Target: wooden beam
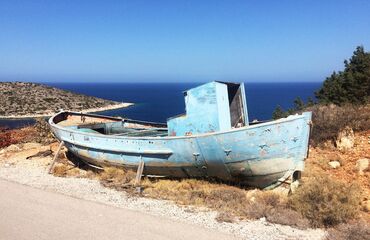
55 157
139 172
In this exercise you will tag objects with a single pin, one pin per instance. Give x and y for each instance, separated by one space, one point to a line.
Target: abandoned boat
212 139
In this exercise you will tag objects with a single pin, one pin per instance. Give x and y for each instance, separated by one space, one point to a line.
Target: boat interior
106 125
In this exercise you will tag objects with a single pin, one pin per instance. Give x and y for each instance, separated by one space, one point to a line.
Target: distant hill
21 99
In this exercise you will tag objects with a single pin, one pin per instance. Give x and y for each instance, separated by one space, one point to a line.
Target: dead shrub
261 204
359 230
219 197
225 217
274 207
328 120
229 201
66 170
287 216
325 201
6 138
43 132
90 174
116 177
60 170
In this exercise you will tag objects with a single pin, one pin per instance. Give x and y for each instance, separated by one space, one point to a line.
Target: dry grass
326 202
198 192
116 178
64 170
359 230
225 217
229 201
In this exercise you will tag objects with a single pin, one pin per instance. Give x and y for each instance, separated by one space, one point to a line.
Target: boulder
334 164
362 165
345 139
12 148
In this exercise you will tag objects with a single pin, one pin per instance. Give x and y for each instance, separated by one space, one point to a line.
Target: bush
350 86
6 138
328 120
117 177
44 134
355 231
262 203
326 202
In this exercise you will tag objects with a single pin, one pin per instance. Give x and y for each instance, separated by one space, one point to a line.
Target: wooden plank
139 172
55 157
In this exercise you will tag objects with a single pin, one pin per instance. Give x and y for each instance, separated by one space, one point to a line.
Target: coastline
49 113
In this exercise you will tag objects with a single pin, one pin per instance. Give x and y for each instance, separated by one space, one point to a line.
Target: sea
159 101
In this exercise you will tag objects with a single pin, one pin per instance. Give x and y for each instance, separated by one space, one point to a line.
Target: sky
179 41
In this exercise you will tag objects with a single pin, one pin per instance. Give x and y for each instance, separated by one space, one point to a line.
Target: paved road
29 213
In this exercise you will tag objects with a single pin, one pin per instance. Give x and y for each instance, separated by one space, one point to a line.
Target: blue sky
179 40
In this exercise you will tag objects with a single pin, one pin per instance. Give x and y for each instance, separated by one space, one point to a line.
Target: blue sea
158 101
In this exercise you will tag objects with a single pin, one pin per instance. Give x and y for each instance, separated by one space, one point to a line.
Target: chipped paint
256 155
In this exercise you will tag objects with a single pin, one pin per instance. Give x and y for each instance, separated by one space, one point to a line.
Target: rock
345 139
31 145
45 148
294 186
12 148
334 164
366 205
362 165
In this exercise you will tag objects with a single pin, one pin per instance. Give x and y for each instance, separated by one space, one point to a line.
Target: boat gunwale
290 118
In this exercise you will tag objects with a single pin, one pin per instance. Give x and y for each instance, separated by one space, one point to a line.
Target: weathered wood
139 172
55 157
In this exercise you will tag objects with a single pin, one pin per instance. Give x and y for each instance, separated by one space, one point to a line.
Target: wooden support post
139 174
55 157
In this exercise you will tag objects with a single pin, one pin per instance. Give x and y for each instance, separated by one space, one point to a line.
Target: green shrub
350 86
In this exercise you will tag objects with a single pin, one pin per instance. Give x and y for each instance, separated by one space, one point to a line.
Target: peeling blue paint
256 155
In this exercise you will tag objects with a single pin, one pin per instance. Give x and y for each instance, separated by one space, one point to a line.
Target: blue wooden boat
212 139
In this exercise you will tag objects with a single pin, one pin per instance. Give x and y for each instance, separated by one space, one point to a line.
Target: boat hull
256 155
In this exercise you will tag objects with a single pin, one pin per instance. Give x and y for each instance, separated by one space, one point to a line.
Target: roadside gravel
33 173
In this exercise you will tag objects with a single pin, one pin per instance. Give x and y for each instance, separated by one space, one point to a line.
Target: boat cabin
212 107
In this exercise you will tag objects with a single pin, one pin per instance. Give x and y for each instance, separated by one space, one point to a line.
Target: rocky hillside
21 98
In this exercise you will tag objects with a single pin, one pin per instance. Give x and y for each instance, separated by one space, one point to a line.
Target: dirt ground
319 159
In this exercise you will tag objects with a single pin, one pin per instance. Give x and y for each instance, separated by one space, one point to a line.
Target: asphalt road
29 213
